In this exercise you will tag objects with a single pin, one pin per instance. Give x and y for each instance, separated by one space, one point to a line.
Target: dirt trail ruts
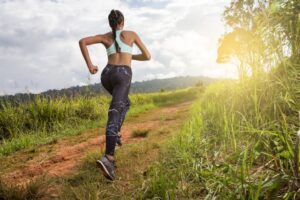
65 157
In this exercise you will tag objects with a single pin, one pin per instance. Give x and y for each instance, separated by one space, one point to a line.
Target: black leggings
116 79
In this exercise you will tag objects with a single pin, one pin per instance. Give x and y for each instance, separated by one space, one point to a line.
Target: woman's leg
118 80
121 79
105 80
128 103
109 88
124 113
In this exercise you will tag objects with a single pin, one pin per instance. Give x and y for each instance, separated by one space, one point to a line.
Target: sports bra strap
125 48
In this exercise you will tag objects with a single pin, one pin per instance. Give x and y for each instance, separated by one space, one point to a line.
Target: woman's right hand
93 69
84 50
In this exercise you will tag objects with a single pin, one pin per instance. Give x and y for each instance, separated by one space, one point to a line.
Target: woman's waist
116 68
119 60
118 65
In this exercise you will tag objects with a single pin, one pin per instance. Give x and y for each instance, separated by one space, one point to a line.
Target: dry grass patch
140 133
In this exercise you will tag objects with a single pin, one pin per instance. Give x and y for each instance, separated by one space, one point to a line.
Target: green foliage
44 120
262 34
240 141
177 96
199 84
160 186
237 144
47 114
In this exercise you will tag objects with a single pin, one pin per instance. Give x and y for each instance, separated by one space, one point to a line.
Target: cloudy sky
39 40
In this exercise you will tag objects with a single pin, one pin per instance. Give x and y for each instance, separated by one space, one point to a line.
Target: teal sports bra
125 48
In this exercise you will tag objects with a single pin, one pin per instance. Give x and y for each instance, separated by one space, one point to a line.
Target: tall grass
44 120
45 114
240 143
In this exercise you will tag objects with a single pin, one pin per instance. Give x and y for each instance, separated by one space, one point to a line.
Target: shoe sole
104 170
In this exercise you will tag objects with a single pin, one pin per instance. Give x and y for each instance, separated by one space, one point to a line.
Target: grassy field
44 121
237 139
29 174
241 140
239 143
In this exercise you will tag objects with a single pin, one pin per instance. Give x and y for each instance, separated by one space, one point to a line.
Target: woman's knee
121 105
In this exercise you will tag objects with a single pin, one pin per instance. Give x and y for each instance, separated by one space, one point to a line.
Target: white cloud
39 40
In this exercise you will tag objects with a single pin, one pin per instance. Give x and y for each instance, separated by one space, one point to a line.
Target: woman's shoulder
131 34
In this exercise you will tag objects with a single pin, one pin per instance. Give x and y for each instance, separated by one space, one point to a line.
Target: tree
262 34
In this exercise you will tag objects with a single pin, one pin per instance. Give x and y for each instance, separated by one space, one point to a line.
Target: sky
39 47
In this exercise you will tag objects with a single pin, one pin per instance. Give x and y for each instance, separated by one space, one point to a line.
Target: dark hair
115 17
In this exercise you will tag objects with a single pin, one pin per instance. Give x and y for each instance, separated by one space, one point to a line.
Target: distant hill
136 87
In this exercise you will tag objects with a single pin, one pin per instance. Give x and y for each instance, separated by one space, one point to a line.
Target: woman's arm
84 50
145 53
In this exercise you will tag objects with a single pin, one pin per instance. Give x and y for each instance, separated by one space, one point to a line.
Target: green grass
35 189
31 139
239 143
132 168
45 120
86 182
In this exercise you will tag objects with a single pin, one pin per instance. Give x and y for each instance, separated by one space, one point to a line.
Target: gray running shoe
107 167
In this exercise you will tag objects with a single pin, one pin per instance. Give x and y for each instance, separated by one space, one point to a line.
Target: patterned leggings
116 79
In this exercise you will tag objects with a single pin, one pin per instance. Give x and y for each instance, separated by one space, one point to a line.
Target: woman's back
118 44
125 40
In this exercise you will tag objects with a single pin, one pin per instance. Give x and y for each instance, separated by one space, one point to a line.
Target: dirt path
64 156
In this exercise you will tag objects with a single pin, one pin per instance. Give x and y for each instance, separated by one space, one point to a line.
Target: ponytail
115 18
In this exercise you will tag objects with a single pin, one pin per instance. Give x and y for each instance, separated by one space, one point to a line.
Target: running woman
116 79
